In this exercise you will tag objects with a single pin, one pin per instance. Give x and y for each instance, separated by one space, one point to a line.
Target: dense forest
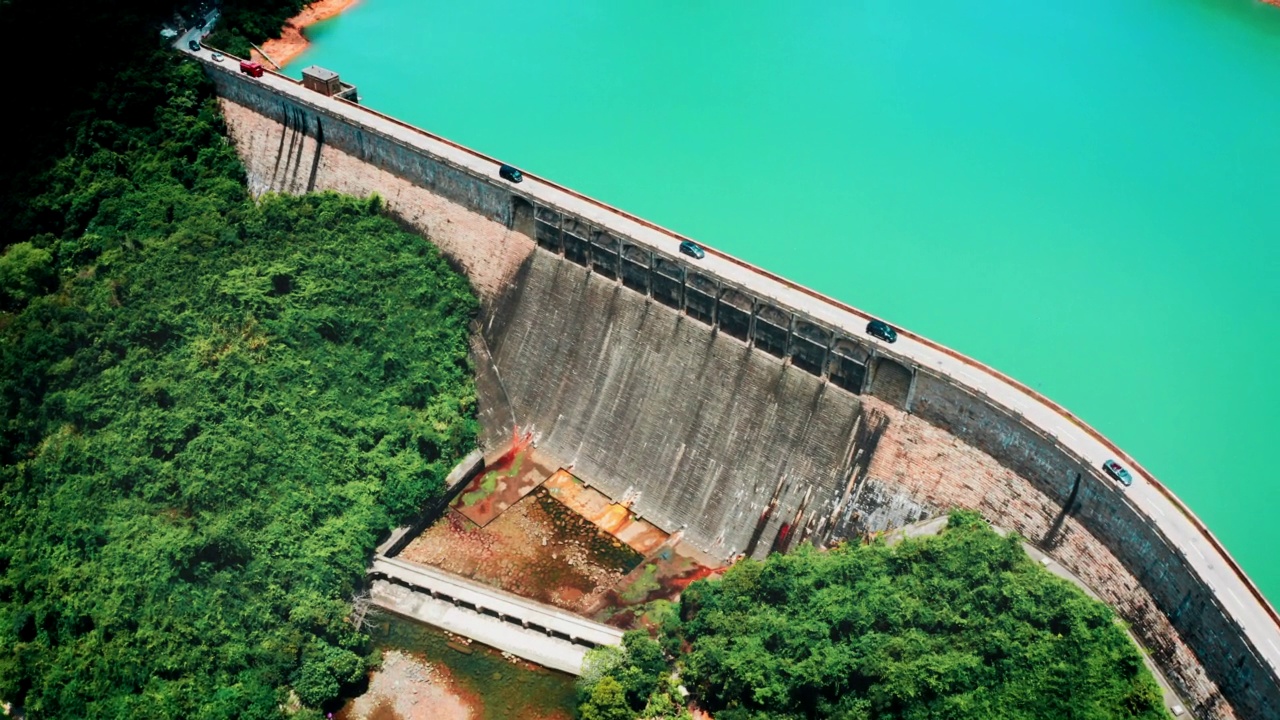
958 626
93 72
212 406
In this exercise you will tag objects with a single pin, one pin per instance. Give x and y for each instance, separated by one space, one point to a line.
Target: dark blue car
691 249
881 329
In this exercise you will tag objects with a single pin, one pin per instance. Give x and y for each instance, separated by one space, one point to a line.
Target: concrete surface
534 646
502 606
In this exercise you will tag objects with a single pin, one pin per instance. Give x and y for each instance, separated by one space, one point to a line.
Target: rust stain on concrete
613 518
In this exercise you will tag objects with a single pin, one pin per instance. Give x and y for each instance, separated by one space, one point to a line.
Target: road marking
1273 645
1196 547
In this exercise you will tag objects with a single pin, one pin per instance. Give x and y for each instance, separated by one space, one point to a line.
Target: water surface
1084 195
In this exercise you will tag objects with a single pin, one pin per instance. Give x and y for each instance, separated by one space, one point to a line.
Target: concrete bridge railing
486 600
533 631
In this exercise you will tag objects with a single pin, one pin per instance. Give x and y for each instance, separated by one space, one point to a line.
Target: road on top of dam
1236 594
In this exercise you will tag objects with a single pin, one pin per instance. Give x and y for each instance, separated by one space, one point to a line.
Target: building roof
319 73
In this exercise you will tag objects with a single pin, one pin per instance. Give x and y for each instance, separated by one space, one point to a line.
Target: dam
749 413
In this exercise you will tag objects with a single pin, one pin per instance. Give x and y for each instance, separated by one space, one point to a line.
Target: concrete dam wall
751 413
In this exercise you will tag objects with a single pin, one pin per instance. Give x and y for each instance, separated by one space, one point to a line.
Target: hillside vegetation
211 408
959 626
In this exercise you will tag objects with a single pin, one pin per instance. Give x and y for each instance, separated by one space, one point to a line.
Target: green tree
209 418
963 625
25 272
643 668
632 679
606 701
315 684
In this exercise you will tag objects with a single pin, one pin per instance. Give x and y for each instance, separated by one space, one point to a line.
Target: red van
252 69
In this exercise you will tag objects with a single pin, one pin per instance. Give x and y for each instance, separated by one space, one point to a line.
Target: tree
627 680
210 423
963 625
25 272
606 701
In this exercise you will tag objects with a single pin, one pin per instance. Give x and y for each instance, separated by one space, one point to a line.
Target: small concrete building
321 80
326 82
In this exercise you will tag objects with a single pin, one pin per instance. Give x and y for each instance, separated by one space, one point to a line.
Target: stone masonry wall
701 431
280 156
937 467
1169 609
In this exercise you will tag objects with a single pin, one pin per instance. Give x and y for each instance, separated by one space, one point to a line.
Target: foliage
963 625
243 23
25 272
211 409
627 682
605 700
102 78
52 103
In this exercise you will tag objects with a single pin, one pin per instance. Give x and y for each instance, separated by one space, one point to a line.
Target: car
217 57
1115 470
690 248
506 172
881 329
194 45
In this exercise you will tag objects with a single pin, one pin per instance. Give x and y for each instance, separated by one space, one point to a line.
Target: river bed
428 674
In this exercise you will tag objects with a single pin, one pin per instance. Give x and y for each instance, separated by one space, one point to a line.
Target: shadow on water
502 688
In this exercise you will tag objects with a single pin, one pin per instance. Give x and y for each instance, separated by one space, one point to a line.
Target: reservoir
1084 195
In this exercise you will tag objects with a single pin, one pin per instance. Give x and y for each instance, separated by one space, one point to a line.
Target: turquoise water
1084 195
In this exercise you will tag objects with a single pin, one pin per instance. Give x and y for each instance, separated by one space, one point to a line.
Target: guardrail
964 359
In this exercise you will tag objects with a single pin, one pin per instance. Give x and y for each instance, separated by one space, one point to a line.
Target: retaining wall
734 405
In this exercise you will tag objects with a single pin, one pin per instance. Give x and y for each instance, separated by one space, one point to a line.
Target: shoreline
293 41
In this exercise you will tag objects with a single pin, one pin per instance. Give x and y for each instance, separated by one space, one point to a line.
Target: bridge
539 633
547 259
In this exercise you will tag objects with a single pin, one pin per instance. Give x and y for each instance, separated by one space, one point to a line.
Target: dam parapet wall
727 402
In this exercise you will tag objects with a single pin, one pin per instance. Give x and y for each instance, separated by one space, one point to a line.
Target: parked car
690 248
506 172
881 329
1115 470
194 45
